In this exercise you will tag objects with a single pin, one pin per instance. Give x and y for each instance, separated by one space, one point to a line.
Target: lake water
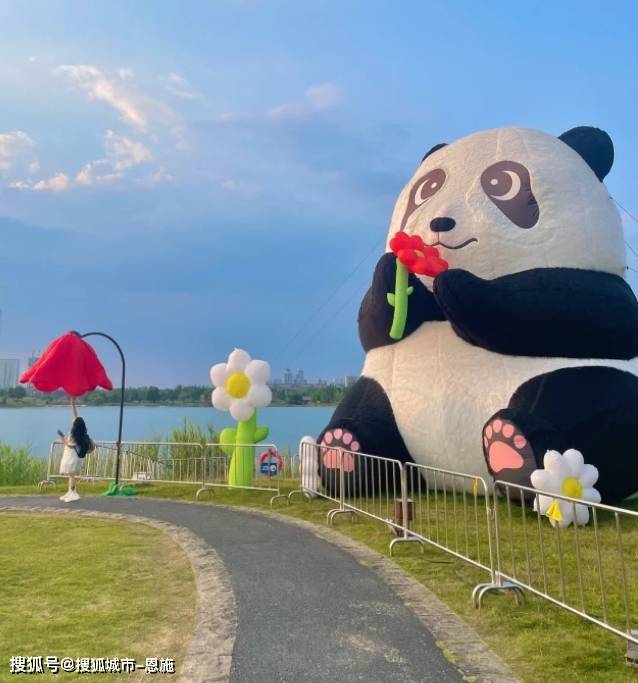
37 427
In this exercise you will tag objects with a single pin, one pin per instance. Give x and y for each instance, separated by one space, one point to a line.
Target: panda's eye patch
424 188
508 185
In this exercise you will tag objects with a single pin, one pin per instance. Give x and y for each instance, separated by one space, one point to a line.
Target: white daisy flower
240 385
566 475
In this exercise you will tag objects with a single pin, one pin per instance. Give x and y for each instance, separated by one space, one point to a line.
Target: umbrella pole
121 420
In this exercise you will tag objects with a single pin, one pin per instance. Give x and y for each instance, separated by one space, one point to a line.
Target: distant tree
17 392
152 394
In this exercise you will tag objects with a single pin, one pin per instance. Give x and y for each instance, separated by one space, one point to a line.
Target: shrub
188 432
18 466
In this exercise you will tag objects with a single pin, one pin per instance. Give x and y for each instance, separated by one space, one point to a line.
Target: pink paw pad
333 457
506 447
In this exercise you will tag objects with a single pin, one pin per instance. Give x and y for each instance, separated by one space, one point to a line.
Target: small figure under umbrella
76 447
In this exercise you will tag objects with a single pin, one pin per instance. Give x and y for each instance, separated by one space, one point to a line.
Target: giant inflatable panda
528 342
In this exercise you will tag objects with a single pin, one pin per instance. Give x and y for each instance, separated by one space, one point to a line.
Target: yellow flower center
238 385
572 487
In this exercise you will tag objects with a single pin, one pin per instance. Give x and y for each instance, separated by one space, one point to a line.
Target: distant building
350 380
9 372
299 378
32 360
288 378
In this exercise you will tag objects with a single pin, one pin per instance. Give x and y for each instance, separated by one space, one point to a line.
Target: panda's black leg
593 409
610 442
362 423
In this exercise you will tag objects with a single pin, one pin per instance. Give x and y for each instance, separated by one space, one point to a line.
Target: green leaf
391 298
227 439
228 436
261 433
409 290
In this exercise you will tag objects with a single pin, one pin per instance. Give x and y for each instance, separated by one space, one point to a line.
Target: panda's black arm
560 312
375 313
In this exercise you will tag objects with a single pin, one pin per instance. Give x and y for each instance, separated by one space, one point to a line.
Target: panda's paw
335 439
508 452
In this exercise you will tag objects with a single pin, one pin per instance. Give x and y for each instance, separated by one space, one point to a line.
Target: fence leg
301 492
341 510
496 584
48 480
204 487
407 537
500 586
279 495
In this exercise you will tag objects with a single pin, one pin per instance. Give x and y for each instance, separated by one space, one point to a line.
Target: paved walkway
307 610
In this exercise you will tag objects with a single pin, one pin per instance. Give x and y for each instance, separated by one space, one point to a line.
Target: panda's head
510 199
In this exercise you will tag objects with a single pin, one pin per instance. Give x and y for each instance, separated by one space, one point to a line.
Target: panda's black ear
594 145
434 149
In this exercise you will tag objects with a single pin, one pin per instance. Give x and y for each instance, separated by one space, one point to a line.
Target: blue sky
195 176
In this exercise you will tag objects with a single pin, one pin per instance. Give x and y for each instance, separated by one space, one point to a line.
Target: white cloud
91 173
324 96
14 146
86 176
316 98
179 87
118 89
58 183
160 177
123 153
20 185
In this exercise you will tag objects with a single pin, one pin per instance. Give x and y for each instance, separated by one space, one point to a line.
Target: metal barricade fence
167 462
369 485
452 511
309 456
590 571
172 462
254 463
448 510
292 467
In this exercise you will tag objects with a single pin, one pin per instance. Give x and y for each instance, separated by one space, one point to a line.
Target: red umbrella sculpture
70 363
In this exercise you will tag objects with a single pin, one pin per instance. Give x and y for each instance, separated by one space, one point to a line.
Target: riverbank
39 403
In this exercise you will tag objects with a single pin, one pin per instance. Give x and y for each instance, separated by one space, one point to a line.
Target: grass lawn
540 642
81 587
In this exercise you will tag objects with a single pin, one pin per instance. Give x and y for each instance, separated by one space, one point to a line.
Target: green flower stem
399 300
242 461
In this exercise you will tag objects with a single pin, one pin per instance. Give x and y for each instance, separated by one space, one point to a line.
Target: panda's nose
442 224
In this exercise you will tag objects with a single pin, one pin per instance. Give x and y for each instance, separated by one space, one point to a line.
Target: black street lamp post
119 431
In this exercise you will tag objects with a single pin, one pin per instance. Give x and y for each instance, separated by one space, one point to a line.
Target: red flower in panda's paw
416 256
